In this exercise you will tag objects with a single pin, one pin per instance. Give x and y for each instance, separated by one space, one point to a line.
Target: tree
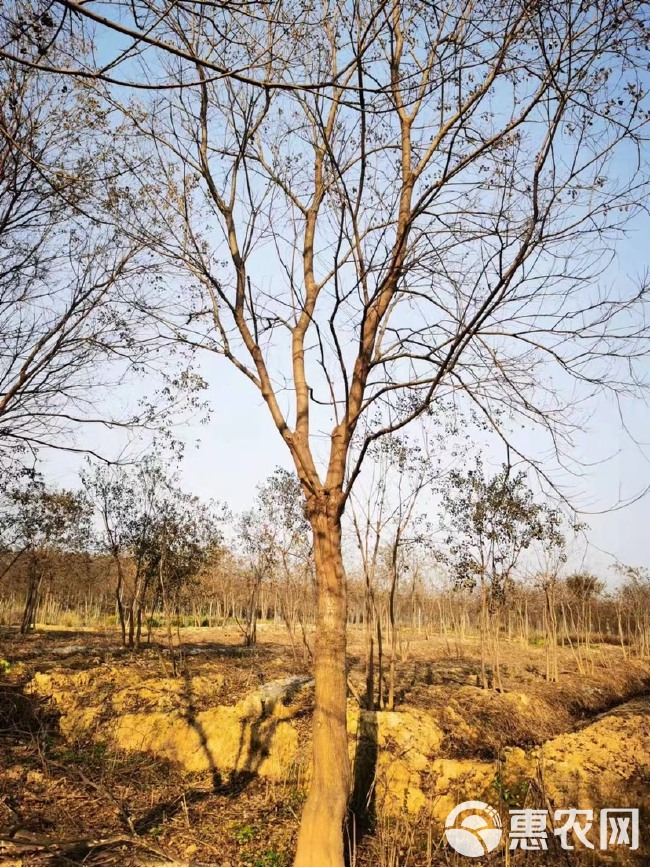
389 526
159 537
181 540
281 509
634 597
71 325
41 523
434 221
548 582
114 500
155 31
127 499
258 542
490 524
276 541
583 588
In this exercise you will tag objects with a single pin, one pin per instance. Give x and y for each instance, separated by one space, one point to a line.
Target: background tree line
130 549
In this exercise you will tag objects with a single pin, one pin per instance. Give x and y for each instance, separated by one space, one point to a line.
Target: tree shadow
255 737
24 716
254 744
362 812
168 809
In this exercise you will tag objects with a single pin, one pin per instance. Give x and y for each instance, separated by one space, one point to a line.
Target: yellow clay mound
605 762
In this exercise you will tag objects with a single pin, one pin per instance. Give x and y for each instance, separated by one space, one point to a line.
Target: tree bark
119 590
250 634
483 632
31 602
320 839
393 631
370 649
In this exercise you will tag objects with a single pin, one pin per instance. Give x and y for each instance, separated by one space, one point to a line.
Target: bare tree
436 223
70 331
258 542
389 525
634 599
144 35
548 582
114 502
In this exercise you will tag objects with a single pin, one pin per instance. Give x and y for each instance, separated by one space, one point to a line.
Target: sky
239 447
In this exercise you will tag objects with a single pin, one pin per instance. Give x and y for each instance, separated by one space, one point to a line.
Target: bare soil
72 797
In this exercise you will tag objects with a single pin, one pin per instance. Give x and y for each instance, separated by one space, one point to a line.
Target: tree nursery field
108 758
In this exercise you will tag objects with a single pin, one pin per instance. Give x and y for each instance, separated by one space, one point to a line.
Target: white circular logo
476 833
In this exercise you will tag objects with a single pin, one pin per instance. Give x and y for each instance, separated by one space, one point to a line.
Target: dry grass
81 800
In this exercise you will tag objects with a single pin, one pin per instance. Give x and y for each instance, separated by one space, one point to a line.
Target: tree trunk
320 840
131 623
496 666
250 629
31 602
370 650
380 661
393 632
119 590
483 632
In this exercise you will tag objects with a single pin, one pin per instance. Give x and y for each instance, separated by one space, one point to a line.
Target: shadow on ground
362 813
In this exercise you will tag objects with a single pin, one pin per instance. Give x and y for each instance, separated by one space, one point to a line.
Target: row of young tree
131 545
420 208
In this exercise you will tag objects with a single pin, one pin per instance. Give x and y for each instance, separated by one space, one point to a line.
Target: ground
107 758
